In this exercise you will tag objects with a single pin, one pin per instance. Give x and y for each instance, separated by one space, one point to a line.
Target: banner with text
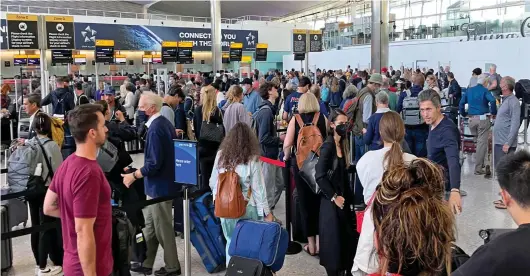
22 31
59 32
150 38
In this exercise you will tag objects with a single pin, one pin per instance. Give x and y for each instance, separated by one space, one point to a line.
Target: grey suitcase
6 245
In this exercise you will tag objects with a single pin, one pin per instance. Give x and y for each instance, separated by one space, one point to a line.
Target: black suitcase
6 245
239 266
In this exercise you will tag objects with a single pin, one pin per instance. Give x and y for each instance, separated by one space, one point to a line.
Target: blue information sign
186 162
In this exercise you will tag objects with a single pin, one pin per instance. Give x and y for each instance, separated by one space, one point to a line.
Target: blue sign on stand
186 162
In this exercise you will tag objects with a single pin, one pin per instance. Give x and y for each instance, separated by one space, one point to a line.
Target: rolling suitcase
206 233
239 266
7 246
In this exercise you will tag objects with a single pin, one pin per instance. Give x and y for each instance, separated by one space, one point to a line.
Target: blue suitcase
260 240
206 233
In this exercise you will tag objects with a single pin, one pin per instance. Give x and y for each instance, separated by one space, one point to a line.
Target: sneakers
164 272
51 271
142 270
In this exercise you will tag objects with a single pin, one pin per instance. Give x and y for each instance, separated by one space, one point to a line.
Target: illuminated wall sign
22 31
20 60
59 32
61 57
169 51
157 59
80 59
34 60
147 59
185 52
120 59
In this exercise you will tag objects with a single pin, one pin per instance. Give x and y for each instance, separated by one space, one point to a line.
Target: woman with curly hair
414 228
240 151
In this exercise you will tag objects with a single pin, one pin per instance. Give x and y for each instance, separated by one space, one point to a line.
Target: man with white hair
159 173
480 102
494 82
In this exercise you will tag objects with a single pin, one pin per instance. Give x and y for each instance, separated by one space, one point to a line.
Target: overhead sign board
315 41
236 51
60 32
120 59
261 51
185 52
150 38
34 60
20 60
246 59
61 57
299 56
169 51
299 41
226 58
147 59
157 59
105 51
80 59
22 31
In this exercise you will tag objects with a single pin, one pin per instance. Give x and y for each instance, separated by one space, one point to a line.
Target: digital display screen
120 61
33 61
104 54
61 57
185 54
169 54
80 60
17 61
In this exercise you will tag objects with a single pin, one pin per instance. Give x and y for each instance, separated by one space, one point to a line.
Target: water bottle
38 170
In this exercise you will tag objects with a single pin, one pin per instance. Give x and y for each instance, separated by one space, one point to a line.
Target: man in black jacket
455 91
264 123
62 99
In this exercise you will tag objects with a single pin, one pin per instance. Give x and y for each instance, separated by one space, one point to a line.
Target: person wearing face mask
251 98
338 239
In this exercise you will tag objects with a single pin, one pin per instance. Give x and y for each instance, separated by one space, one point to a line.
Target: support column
380 14
215 14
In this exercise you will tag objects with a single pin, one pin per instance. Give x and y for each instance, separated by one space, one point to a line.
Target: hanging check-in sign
22 31
299 41
60 32
315 41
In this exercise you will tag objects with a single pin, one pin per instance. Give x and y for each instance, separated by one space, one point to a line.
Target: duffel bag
260 240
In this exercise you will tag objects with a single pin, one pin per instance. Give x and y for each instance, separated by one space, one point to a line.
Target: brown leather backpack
309 139
229 200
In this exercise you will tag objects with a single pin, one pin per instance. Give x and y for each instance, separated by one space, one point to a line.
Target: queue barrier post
293 247
187 227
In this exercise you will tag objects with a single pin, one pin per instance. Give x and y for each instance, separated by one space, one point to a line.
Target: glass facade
422 19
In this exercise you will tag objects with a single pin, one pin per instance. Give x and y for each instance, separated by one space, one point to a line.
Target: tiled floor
478 213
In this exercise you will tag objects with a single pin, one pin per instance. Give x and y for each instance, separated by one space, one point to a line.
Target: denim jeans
417 140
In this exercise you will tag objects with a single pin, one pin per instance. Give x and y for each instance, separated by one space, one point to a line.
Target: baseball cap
109 91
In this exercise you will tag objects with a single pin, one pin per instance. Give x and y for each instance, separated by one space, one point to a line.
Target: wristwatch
134 175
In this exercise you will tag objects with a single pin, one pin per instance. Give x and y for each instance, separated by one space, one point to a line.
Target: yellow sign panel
262 46
157 56
185 44
298 31
20 56
169 44
315 32
79 56
147 56
236 45
120 56
105 42
246 59
21 17
59 18
34 56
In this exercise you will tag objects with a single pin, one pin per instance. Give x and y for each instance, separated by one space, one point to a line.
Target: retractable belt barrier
50 225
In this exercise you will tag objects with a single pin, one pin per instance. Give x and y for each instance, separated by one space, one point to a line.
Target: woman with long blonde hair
207 113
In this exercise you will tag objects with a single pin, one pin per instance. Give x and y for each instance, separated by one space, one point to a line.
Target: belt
477 116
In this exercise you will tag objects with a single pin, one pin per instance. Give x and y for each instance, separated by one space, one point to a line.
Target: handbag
212 132
360 214
308 171
239 266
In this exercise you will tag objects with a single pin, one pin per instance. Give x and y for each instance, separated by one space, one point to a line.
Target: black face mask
341 130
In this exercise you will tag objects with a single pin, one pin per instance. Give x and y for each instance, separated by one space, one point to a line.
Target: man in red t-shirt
80 195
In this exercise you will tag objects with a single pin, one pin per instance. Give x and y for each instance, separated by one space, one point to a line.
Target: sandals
306 250
499 204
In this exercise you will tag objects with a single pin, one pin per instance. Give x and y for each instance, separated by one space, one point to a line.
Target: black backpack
522 91
59 107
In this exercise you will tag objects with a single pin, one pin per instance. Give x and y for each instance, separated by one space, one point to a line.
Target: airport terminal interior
223 54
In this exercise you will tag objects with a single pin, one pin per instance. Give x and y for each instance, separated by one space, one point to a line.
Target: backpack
84 99
57 131
59 107
325 94
411 110
229 199
254 124
189 113
349 103
22 165
107 156
309 139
